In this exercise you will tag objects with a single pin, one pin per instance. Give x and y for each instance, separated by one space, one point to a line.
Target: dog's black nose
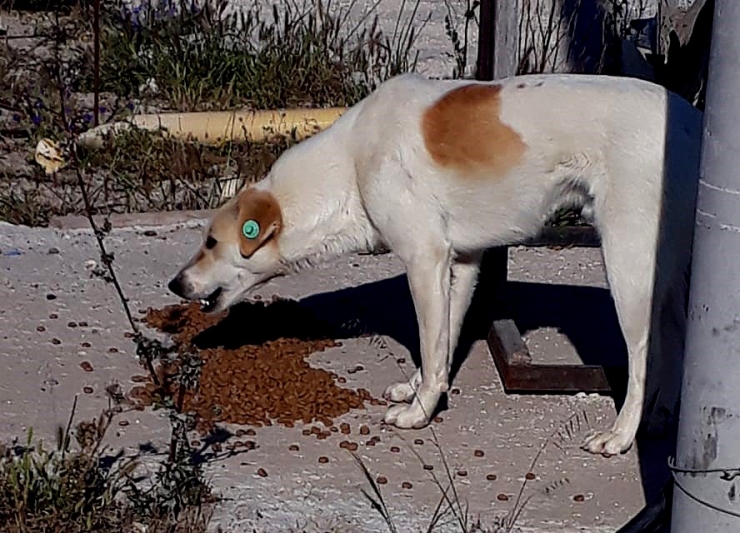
176 287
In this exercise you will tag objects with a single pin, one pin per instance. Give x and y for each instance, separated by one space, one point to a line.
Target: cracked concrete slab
56 316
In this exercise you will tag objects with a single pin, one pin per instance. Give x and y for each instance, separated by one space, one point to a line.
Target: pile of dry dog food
255 369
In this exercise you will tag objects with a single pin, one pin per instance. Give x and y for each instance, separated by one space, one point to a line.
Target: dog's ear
259 219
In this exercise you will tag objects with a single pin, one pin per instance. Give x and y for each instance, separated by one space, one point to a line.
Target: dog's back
576 139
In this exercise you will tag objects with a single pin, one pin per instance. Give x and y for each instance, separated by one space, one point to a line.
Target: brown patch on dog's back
463 131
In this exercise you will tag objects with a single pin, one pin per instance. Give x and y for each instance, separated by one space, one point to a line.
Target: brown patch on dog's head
463 131
259 220
257 210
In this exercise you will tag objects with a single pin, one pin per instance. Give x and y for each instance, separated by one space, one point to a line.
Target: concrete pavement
55 316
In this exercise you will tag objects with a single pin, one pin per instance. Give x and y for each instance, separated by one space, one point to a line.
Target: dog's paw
608 443
404 391
400 392
406 416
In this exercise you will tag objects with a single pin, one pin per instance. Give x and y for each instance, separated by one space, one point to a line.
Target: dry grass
179 55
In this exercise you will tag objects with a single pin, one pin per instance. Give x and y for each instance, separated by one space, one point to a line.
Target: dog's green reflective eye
251 229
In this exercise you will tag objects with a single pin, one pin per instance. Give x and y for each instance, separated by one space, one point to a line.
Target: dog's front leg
429 280
464 275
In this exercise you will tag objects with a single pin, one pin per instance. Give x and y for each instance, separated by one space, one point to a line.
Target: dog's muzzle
177 287
181 289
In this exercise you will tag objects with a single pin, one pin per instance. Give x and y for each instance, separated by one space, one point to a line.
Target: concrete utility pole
709 426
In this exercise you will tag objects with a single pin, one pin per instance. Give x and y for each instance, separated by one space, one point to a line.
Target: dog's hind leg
628 246
665 363
464 272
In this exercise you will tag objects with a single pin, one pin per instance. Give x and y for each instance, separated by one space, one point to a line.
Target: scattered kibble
51 296
418 442
530 476
381 480
342 379
462 473
216 447
395 449
479 453
71 324
364 430
53 316
248 382
323 459
86 366
428 467
56 341
438 419
123 423
502 498
85 344
406 485
344 428
491 477
293 448
579 498
455 391
40 329
262 472
87 390
112 350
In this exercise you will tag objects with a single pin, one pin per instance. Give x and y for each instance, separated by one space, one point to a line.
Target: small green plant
66 488
62 488
77 487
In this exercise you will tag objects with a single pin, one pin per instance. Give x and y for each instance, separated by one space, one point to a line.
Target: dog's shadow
586 315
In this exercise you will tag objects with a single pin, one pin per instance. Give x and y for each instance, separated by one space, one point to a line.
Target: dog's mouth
210 302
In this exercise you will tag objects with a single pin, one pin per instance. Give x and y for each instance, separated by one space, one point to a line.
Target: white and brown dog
439 171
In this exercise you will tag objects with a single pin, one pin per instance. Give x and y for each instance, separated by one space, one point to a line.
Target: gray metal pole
709 426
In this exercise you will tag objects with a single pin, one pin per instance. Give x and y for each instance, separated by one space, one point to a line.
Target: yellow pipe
223 126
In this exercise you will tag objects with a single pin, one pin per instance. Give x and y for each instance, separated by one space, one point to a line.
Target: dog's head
239 250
